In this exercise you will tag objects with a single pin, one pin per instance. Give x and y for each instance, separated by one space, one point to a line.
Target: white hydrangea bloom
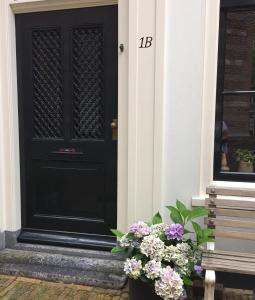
197 255
133 267
170 285
169 253
152 247
158 229
152 269
184 247
124 241
182 264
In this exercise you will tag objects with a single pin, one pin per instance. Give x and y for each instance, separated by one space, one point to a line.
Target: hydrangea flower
197 255
184 247
174 232
182 264
124 241
170 285
140 229
198 269
158 229
152 247
169 253
180 256
133 267
152 269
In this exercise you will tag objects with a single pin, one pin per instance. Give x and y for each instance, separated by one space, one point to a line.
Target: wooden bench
231 215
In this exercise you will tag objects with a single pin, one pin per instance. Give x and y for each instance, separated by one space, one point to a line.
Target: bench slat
226 268
222 202
234 234
231 191
241 266
230 223
229 257
232 253
234 212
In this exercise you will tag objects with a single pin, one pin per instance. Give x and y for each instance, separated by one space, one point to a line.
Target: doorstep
67 265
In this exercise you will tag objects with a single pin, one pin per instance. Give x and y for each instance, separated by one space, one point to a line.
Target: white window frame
212 17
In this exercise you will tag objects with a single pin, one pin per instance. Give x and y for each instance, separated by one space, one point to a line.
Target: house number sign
146 42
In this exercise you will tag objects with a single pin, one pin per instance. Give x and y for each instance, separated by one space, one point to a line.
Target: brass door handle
114 126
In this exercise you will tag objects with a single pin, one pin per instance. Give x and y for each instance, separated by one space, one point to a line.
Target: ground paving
20 288
12 288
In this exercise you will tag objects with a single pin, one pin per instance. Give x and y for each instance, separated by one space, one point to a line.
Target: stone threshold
67 265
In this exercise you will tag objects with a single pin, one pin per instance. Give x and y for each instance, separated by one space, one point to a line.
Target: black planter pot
139 290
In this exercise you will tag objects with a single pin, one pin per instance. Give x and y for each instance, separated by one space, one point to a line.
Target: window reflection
237 92
238 130
240 51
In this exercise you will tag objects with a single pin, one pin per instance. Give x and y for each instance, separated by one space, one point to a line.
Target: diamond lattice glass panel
88 66
47 84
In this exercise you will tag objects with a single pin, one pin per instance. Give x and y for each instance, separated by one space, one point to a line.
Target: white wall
9 139
183 99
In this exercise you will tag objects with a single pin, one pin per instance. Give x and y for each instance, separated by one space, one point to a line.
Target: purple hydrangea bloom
198 269
174 232
140 229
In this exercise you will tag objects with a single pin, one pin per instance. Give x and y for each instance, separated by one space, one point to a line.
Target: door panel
67 83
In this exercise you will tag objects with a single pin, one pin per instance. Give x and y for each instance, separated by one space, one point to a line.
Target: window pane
238 130
240 51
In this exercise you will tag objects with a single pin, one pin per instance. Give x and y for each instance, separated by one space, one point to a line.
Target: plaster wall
183 100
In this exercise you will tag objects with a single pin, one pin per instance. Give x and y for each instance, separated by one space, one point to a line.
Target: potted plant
164 259
246 159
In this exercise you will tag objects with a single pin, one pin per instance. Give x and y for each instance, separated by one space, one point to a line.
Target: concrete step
69 266
68 251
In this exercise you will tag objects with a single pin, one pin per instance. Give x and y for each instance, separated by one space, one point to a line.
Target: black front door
67 83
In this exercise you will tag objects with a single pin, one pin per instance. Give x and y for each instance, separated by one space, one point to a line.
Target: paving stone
5 281
18 291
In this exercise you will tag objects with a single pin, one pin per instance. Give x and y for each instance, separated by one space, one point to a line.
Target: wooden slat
229 257
234 213
231 191
223 202
234 234
230 223
225 266
210 262
232 253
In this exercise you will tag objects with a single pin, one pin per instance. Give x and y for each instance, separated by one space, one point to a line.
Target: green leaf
175 215
117 249
117 233
206 235
197 212
157 219
162 237
186 231
187 281
197 227
139 256
130 236
182 208
198 231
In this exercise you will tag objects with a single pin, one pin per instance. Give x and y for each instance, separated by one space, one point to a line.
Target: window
235 108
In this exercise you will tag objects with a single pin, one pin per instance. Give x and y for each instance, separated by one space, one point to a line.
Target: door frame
11 211
141 86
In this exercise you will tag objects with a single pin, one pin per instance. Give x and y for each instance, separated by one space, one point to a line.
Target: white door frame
140 105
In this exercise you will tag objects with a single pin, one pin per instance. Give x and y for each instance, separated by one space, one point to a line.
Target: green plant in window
245 155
